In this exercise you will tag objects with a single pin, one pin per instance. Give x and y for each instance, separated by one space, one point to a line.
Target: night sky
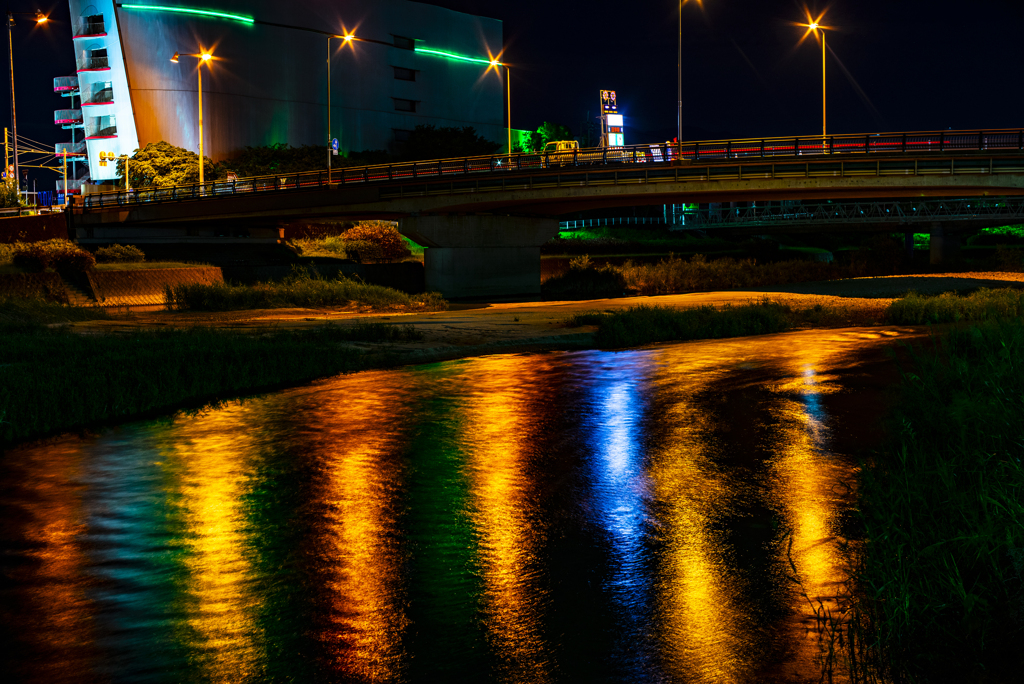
918 65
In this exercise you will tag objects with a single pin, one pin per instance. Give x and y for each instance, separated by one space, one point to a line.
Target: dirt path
471 329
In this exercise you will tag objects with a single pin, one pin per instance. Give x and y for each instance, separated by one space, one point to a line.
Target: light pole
679 73
204 58
348 38
40 19
813 26
508 100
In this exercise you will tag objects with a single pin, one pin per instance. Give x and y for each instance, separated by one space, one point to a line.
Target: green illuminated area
196 12
455 56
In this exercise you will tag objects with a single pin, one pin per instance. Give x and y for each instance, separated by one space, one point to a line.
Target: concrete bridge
483 219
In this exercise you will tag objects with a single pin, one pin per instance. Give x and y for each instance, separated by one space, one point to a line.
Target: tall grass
647 324
299 290
54 380
982 305
675 275
941 584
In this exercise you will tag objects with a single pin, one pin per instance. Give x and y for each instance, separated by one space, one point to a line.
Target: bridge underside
484 240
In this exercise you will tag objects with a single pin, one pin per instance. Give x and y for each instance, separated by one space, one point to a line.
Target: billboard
608 105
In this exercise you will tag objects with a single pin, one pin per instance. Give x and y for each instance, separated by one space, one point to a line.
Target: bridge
483 219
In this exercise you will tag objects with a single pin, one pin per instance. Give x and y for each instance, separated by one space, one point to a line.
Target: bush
299 290
378 241
120 254
60 255
983 305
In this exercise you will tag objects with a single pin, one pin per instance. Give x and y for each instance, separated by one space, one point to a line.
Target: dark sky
919 64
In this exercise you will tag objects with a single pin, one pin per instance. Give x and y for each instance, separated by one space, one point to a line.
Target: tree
429 142
9 195
278 158
162 164
548 132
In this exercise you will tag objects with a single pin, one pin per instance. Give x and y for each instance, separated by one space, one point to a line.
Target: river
670 514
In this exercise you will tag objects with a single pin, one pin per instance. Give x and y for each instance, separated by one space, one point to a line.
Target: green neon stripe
188 10
452 55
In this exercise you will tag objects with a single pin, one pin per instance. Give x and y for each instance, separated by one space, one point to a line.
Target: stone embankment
142 287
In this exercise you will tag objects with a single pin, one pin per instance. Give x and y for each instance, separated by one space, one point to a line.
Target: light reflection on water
667 514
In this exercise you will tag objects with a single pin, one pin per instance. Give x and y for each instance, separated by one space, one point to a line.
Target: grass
641 325
147 265
941 581
301 289
982 305
54 380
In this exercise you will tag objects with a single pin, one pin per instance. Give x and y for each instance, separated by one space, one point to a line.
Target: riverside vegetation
55 380
300 289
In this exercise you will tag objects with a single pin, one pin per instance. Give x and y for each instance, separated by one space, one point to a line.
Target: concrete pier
480 256
944 244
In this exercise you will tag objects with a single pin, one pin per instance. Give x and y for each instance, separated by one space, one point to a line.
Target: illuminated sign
616 139
608 105
197 12
614 119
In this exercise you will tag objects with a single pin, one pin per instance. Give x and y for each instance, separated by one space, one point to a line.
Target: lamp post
348 38
40 19
204 58
813 26
679 74
508 99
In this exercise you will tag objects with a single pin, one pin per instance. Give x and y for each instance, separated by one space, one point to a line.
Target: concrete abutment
480 256
944 244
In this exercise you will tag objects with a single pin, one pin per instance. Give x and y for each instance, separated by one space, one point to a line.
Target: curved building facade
413 64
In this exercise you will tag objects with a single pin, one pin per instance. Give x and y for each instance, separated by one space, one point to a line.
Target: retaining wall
33 228
30 285
144 287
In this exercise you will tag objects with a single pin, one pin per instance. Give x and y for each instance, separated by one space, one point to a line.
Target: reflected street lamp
204 58
40 18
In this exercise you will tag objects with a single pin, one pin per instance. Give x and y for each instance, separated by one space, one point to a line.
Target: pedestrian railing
750 151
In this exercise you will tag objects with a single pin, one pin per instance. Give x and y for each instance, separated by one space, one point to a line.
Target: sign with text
608 104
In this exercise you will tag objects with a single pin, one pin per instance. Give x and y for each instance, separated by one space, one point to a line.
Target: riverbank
121 352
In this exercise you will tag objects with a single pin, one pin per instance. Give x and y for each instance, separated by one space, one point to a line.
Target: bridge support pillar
944 245
480 256
908 246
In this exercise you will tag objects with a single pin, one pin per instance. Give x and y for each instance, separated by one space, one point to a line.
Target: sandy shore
472 329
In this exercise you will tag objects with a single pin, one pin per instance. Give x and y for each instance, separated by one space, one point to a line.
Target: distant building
420 64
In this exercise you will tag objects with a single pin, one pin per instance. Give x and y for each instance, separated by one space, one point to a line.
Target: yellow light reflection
501 423
357 443
212 459
705 634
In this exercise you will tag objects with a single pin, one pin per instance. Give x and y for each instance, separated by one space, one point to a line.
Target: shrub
60 255
379 241
119 254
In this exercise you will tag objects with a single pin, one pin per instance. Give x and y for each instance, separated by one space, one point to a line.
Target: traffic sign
334 144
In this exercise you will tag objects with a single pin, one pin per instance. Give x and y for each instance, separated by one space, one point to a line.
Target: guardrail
666 154
899 212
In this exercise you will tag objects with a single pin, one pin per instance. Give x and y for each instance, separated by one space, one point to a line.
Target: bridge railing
660 153
895 212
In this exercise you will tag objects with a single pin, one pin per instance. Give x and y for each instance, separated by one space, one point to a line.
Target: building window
404 105
404 43
401 135
405 74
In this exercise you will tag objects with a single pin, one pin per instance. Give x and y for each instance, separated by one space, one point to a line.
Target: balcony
101 127
100 97
63 117
93 64
66 85
91 27
74 150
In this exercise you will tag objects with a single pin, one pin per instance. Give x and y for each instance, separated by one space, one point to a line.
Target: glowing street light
40 19
347 39
204 57
495 62
814 26
679 68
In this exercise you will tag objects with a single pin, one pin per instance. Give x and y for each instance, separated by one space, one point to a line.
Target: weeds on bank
301 289
54 380
941 581
982 305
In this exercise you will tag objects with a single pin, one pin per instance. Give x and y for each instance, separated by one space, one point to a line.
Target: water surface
663 515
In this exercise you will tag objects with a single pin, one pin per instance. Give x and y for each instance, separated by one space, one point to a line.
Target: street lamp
348 38
40 18
813 26
204 58
679 73
508 99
